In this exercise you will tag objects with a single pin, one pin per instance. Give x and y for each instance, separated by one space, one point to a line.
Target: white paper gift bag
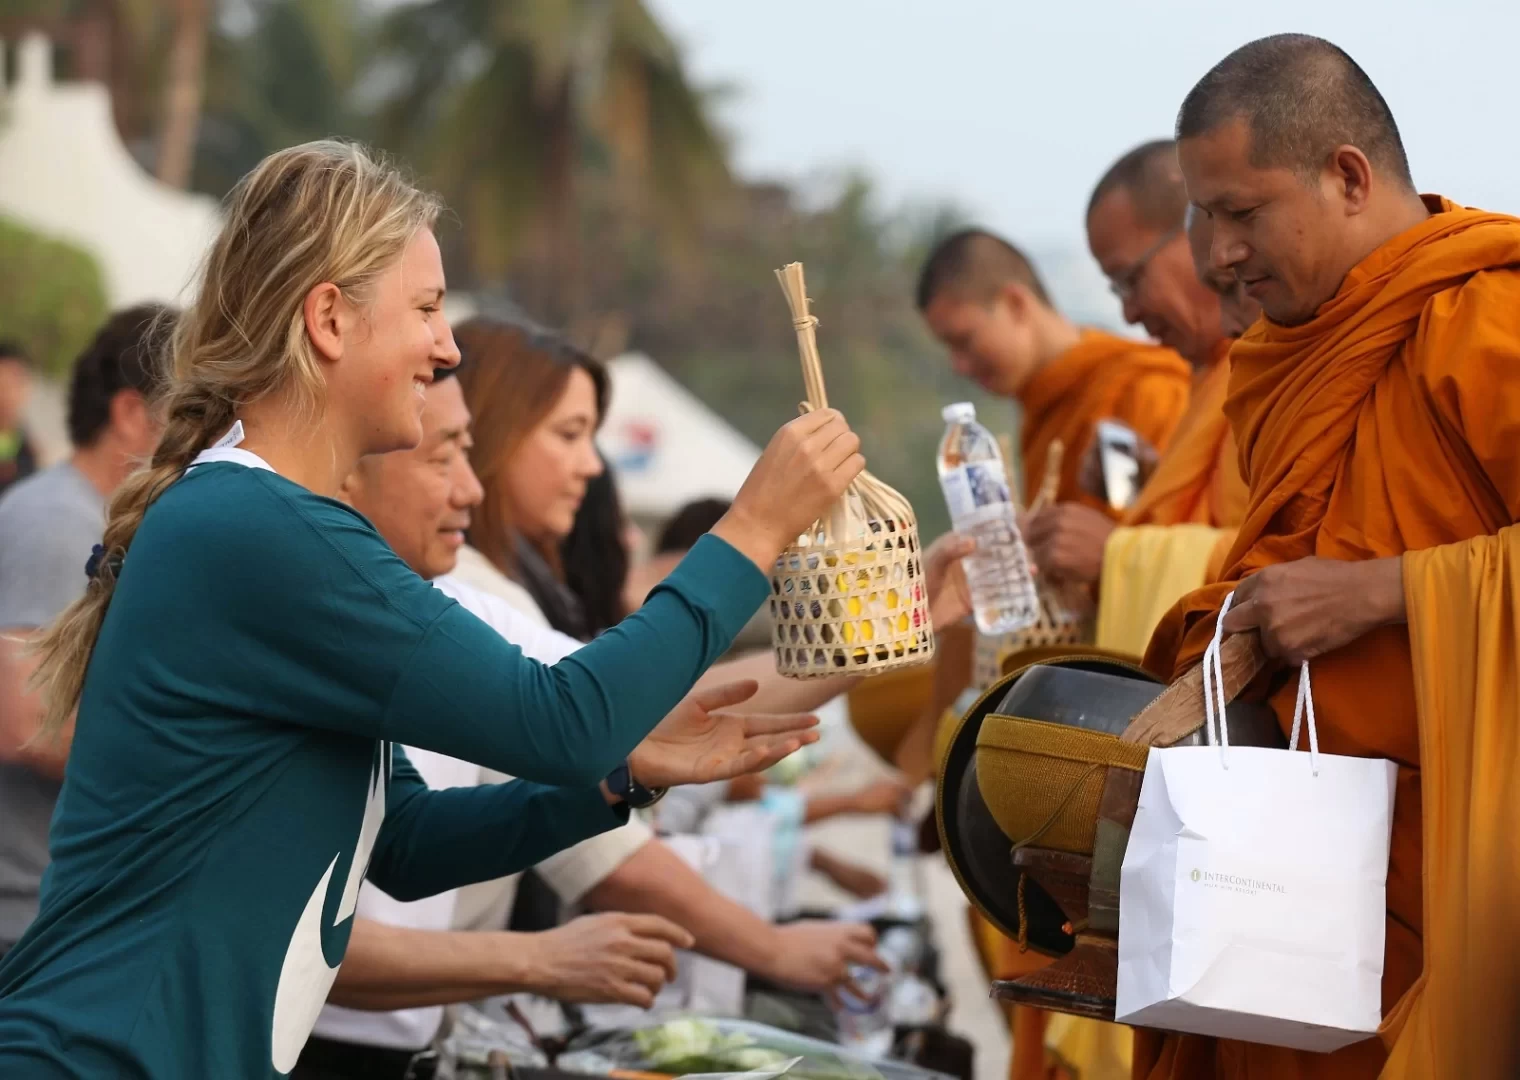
1252 896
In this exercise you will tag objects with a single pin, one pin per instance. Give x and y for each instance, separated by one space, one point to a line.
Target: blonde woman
249 649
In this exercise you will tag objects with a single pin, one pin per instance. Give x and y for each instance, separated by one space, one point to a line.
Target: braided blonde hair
321 212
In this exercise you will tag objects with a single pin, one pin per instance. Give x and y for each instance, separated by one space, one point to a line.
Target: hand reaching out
698 742
611 958
885 796
817 956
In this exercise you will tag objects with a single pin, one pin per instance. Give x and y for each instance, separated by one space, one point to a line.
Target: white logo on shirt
305 977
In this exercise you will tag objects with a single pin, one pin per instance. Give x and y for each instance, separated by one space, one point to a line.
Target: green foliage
589 181
716 319
52 296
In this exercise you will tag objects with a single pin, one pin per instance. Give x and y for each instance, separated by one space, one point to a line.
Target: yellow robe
1174 538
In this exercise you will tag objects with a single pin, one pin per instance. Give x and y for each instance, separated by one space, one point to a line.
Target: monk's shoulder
1471 329
1478 315
1154 393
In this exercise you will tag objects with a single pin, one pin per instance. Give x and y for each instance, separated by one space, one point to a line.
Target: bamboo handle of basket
805 323
1005 447
1051 484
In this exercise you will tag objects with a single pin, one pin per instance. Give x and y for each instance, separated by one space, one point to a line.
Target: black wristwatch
621 783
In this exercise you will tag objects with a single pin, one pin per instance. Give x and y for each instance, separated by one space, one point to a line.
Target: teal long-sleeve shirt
232 772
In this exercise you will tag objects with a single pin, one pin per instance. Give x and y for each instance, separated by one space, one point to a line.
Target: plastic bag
693 1046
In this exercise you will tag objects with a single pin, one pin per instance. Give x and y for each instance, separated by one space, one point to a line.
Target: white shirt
571 873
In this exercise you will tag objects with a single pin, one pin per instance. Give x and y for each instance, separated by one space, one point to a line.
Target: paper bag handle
1305 705
1216 725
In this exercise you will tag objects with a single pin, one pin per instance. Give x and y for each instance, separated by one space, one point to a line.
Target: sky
1012 110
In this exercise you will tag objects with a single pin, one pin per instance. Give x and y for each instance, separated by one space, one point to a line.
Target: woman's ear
326 315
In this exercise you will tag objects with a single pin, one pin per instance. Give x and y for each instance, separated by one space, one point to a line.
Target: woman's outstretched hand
698 743
805 469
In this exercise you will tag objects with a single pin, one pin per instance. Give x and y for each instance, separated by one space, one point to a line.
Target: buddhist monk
1175 534
1377 412
983 299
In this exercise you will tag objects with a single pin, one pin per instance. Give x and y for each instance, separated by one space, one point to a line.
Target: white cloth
478 572
1252 900
510 609
571 873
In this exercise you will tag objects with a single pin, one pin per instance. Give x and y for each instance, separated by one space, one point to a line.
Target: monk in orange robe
1377 411
1136 230
982 298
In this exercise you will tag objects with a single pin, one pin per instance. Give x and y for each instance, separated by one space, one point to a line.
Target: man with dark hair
18 459
688 525
1136 230
1377 409
404 961
983 299
48 523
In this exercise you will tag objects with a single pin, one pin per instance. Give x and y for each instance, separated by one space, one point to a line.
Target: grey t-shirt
48 524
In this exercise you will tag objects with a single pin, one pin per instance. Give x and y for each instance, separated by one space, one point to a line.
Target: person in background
677 535
537 402
18 458
404 961
1175 535
48 523
597 555
983 299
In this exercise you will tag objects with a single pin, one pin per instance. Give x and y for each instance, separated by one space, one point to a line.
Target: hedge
52 296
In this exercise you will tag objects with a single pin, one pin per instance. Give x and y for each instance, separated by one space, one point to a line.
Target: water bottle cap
962 412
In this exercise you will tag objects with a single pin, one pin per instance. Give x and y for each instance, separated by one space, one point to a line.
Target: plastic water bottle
903 899
865 1027
975 483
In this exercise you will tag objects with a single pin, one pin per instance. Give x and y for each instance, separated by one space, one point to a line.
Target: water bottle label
974 485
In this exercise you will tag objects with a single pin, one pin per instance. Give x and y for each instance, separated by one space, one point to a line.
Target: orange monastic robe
1197 481
1102 377
1388 424
1175 536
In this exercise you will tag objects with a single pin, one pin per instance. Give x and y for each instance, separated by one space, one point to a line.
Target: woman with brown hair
535 403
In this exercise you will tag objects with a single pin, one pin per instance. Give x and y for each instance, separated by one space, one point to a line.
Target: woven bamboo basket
848 596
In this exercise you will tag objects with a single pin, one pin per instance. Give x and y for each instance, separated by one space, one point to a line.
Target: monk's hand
945 578
698 742
1313 606
1066 541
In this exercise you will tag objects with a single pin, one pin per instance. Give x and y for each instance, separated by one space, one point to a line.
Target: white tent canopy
666 447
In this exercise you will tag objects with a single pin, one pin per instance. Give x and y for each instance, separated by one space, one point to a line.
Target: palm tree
183 87
527 113
287 77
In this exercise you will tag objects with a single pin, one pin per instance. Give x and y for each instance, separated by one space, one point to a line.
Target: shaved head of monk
1237 311
983 299
1294 154
1135 224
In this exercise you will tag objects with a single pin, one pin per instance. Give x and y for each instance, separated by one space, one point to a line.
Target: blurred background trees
588 178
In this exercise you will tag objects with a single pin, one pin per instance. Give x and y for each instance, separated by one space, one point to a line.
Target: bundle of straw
849 595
